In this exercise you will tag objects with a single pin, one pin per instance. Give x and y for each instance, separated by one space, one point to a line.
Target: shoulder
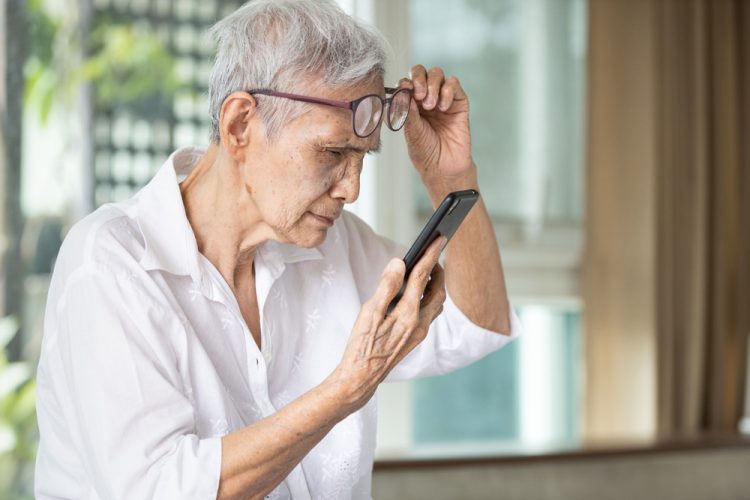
106 240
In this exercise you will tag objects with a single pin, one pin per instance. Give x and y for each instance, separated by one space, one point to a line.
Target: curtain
703 186
666 278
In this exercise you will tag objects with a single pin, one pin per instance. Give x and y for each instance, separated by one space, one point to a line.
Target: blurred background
612 143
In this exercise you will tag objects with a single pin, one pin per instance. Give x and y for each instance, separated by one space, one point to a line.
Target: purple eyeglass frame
352 105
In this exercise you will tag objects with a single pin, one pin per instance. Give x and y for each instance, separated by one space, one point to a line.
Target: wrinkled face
301 180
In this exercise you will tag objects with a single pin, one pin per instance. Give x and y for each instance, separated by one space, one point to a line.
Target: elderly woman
222 333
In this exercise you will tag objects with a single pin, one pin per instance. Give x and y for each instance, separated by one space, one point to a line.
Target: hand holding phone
444 222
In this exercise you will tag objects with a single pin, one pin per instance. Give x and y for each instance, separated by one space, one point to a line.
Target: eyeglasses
367 111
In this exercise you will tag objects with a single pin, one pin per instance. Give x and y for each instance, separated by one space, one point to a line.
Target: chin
307 232
309 239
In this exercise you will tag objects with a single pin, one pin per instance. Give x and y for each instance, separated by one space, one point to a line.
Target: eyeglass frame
352 105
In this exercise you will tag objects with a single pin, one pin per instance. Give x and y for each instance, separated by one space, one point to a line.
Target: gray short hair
278 44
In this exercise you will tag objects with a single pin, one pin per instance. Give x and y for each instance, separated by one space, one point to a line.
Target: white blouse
147 362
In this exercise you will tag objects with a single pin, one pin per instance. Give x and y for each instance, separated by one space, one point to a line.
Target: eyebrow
352 147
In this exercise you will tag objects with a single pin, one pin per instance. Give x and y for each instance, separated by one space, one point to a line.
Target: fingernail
429 101
443 106
443 243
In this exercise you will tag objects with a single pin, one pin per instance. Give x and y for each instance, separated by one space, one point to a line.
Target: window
522 64
526 392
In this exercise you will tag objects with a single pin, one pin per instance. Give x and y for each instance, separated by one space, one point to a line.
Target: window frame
541 267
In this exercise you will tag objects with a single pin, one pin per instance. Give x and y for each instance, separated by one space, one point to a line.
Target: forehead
335 124
371 85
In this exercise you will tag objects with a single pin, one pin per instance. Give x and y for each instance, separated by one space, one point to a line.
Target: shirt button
267 356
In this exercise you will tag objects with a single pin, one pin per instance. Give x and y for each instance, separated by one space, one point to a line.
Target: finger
434 296
434 284
390 284
419 79
435 80
405 83
414 327
413 118
409 326
450 91
420 275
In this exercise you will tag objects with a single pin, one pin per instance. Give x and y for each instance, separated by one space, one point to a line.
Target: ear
238 119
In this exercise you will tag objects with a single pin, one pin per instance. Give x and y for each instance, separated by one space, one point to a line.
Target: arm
439 142
454 341
473 269
112 361
258 457
254 460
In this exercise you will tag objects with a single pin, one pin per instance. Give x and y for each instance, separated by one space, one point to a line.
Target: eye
334 152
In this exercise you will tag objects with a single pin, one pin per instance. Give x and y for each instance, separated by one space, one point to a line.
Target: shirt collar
170 241
277 255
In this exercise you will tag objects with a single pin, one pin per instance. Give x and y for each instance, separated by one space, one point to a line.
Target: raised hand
437 129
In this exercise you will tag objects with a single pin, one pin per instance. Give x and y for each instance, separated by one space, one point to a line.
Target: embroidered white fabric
146 360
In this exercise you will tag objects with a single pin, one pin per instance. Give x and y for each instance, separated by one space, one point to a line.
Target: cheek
310 178
294 193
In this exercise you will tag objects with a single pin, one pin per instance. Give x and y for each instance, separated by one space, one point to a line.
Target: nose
346 188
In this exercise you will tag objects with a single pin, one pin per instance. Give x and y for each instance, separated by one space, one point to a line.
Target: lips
326 219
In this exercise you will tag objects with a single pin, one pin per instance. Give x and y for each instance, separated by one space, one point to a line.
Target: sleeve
122 394
452 343
453 340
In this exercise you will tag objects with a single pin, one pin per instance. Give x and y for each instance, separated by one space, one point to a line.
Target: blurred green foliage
128 67
126 64
18 430
41 80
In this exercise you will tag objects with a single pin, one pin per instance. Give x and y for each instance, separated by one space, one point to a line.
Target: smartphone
444 222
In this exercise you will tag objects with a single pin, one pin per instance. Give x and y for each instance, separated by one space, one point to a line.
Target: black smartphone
444 222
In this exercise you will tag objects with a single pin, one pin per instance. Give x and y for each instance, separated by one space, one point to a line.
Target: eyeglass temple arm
303 98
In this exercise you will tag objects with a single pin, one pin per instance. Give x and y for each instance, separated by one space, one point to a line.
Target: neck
227 225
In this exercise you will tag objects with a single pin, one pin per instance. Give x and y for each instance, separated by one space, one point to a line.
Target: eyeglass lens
399 109
367 115
369 110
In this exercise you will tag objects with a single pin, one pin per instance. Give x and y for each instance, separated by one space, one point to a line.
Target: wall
717 474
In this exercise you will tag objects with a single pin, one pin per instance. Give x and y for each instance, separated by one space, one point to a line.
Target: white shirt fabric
147 362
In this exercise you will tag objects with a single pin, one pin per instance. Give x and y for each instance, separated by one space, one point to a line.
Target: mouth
326 221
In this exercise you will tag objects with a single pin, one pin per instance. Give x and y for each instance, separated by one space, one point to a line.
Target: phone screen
444 222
